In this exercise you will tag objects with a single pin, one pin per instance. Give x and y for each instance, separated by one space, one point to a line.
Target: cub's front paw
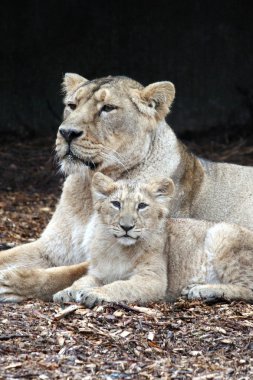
87 296
65 295
92 297
71 294
206 292
187 291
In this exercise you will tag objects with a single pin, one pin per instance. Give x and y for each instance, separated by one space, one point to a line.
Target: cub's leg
24 283
72 293
210 292
140 287
229 250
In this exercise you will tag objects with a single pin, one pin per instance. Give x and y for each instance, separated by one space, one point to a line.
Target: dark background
203 47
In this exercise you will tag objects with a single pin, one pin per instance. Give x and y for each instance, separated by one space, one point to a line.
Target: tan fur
36 282
210 261
161 258
131 141
131 267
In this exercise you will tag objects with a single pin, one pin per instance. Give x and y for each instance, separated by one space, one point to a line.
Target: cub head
132 211
107 120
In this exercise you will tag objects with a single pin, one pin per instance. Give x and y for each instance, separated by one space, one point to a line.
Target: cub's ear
102 186
71 81
158 98
162 188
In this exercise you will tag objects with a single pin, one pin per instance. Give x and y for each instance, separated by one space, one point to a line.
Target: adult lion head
109 123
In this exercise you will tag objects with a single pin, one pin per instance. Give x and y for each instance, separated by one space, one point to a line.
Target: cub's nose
126 227
69 134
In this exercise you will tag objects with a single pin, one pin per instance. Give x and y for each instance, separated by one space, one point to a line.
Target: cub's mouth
127 239
126 235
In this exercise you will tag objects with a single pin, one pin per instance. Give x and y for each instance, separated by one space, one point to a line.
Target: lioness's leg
209 292
143 288
60 244
26 256
22 257
23 283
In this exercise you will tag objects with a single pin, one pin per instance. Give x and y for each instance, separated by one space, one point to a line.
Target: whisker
114 159
115 153
110 150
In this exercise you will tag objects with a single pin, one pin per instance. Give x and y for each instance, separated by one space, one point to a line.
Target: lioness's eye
72 106
108 108
116 204
142 205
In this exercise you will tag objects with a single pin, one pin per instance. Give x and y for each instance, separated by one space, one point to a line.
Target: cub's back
226 194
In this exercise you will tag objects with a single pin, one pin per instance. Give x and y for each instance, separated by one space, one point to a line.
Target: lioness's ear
162 188
159 96
71 81
102 186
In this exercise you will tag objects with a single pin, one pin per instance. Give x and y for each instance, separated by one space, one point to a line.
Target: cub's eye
152 104
142 205
72 106
108 108
116 204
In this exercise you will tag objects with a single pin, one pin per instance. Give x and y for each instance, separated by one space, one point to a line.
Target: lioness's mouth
91 165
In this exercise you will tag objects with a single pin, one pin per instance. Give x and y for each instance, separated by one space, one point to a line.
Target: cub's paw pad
187 290
89 298
62 296
203 292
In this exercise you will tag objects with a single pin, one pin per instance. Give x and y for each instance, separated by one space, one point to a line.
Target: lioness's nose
70 134
126 227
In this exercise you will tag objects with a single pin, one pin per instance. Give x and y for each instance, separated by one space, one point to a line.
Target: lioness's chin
127 241
68 168
71 166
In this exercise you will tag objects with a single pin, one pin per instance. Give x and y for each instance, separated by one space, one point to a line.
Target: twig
138 309
119 305
12 336
68 310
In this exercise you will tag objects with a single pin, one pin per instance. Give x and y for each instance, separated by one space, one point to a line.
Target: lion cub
126 243
138 254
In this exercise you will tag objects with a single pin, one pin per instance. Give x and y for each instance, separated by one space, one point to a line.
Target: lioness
117 126
138 254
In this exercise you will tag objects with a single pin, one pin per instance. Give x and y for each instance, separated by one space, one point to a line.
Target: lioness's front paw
9 291
202 291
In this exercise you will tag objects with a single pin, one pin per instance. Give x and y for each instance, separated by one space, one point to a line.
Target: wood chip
68 310
124 334
151 335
